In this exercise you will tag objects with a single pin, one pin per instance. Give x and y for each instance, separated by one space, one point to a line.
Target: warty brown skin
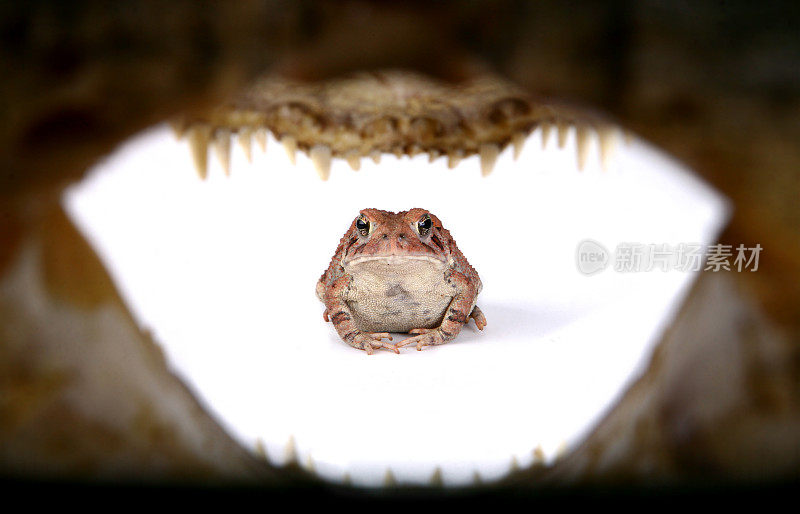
399 272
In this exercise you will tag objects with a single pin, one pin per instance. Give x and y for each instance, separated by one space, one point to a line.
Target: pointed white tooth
375 155
398 152
433 155
347 479
582 133
563 130
476 478
388 479
538 455
353 159
290 144
321 157
310 466
260 449
261 138
436 479
608 145
545 134
514 464
489 153
222 147
246 140
518 141
199 136
290 452
562 449
178 127
454 157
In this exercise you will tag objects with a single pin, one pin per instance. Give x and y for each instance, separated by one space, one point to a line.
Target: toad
399 272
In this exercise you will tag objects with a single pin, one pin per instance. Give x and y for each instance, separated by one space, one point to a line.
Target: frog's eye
362 225
424 225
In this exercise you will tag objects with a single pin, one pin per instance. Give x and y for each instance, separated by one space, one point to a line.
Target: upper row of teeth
201 136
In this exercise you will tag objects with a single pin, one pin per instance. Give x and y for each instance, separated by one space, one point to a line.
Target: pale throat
398 293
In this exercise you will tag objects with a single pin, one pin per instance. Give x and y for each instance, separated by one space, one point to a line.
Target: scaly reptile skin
720 89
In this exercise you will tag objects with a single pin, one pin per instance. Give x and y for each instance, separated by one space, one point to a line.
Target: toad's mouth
394 259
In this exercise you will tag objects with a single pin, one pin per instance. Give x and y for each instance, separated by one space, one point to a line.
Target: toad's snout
395 241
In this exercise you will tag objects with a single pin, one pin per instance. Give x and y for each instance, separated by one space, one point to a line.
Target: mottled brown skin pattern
439 287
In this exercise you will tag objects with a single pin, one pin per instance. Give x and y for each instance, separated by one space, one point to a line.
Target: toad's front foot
369 341
424 337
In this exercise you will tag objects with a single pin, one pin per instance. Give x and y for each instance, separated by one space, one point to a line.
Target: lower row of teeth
435 478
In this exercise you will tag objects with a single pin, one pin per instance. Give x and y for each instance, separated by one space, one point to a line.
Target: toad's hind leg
478 317
461 308
338 312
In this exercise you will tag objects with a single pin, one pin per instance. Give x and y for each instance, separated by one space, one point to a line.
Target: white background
223 272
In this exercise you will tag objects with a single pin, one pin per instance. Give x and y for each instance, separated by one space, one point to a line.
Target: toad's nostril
385 236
